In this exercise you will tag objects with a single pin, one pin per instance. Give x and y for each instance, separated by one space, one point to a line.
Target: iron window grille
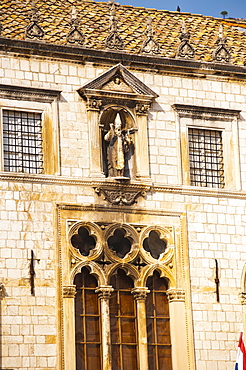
206 158
22 141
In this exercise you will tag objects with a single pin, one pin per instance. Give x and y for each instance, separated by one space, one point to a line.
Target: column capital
176 295
140 293
2 291
142 108
104 291
93 104
69 291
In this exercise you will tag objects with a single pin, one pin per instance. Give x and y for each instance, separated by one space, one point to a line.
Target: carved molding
104 292
140 293
242 297
119 197
28 93
176 295
69 291
195 111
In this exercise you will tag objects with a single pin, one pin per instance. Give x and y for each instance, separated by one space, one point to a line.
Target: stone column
95 152
104 293
142 144
176 299
69 350
140 294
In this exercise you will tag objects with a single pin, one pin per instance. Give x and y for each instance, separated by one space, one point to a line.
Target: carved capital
104 292
242 297
140 293
142 108
93 104
176 295
69 291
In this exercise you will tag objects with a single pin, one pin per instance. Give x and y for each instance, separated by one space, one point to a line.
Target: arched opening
123 323
87 322
110 143
158 324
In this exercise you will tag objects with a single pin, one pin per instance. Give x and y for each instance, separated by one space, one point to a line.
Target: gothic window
206 158
123 323
22 141
87 322
158 324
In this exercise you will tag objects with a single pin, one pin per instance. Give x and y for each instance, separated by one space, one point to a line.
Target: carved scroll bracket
176 295
93 104
142 109
69 291
119 197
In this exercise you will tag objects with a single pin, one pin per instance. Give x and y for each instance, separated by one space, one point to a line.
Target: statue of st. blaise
119 143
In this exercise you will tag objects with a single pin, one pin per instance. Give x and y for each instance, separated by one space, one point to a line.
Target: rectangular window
22 141
206 158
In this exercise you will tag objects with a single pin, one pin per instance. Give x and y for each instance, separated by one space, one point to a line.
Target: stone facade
204 227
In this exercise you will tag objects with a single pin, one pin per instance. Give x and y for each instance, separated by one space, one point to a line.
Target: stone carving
176 295
119 143
34 30
142 108
113 40
2 291
185 50
150 45
104 292
75 36
118 197
140 293
221 53
93 104
242 297
69 291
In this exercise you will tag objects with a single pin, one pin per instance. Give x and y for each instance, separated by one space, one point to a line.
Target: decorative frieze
119 197
104 292
69 291
176 295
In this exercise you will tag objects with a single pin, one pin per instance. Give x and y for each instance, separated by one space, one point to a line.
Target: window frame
220 119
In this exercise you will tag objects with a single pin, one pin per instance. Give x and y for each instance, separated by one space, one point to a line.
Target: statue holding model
119 142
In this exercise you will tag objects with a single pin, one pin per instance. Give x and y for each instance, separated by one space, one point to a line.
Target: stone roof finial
221 53
150 45
75 35
185 49
34 30
113 40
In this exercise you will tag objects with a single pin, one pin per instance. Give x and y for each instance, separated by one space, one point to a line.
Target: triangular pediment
118 80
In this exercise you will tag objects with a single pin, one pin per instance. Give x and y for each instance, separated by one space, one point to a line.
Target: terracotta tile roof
55 17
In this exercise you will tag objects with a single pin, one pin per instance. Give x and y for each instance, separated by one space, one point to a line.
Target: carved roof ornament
75 35
34 30
221 53
113 40
185 49
150 45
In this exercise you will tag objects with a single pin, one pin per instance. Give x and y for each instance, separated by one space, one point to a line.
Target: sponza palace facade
123 187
